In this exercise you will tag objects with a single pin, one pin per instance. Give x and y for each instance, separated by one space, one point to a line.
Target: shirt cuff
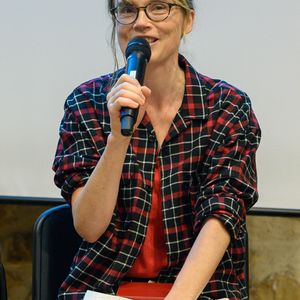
229 211
72 183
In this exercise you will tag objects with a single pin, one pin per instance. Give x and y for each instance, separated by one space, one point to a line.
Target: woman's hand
127 92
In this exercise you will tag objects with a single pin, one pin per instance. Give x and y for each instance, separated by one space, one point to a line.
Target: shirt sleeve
81 141
229 181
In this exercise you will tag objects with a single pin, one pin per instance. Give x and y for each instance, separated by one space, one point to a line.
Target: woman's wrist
180 292
118 141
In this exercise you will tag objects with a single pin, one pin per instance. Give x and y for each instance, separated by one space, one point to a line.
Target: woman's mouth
150 40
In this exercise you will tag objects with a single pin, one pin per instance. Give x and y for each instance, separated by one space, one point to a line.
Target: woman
167 204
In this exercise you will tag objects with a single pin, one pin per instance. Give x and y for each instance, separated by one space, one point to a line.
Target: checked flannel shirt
207 169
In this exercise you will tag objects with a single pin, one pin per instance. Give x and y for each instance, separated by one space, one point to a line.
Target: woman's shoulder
218 87
222 94
93 90
222 86
211 88
101 84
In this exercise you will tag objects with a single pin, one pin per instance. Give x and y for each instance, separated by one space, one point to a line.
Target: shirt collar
194 104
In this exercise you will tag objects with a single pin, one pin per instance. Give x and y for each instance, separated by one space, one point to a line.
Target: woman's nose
142 19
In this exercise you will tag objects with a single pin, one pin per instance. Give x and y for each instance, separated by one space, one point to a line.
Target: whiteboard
50 47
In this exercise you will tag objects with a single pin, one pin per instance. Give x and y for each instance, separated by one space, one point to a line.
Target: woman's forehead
136 2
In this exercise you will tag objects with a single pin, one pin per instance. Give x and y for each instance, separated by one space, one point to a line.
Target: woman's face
164 37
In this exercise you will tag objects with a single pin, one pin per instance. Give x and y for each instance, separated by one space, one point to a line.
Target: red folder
144 290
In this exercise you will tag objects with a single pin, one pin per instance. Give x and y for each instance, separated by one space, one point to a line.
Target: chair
246 267
3 290
55 242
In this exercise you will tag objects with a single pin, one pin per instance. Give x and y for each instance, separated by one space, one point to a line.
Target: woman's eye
158 7
127 9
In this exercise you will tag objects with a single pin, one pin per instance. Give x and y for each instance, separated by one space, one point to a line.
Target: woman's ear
189 22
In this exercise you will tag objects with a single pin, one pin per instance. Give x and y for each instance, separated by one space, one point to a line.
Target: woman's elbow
88 232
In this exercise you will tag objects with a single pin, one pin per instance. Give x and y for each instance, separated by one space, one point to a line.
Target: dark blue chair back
55 243
3 290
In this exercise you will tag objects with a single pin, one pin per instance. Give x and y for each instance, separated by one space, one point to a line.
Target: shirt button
152 138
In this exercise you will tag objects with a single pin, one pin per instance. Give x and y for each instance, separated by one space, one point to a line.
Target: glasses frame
144 8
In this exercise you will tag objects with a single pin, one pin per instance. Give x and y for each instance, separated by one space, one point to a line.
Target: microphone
137 54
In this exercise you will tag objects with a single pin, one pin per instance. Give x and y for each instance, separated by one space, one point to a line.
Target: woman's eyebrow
124 2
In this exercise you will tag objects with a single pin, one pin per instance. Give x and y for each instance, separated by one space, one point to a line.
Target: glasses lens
157 11
126 13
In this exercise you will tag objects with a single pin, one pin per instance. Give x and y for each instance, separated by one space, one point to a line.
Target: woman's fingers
126 88
127 78
127 92
130 93
124 102
146 92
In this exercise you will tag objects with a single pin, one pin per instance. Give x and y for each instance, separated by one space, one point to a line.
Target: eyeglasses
126 13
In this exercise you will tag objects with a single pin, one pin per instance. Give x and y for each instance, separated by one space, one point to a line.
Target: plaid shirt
207 169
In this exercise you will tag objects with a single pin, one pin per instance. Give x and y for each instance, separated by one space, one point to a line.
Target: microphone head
138 45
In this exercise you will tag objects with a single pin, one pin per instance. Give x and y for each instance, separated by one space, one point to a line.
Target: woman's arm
229 188
94 203
202 261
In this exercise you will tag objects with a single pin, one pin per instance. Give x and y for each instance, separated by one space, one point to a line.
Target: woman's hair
187 6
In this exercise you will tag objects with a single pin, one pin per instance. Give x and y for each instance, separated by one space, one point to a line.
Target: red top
144 290
153 255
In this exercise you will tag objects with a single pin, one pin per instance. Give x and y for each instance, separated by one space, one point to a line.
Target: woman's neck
166 82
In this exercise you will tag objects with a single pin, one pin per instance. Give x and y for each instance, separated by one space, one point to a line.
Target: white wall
49 47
